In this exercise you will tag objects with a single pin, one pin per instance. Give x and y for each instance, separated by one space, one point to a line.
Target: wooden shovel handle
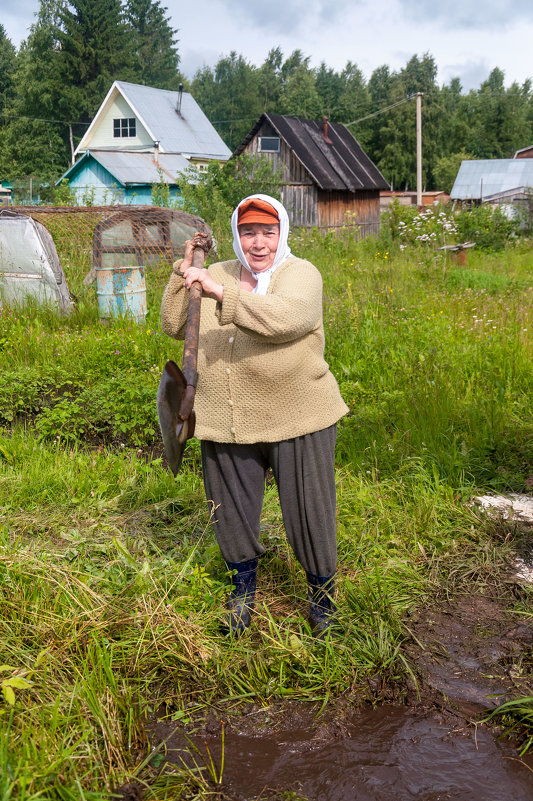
190 349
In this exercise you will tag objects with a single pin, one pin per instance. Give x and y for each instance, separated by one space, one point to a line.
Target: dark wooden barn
328 180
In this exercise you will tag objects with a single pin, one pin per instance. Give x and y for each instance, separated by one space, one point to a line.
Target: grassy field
111 584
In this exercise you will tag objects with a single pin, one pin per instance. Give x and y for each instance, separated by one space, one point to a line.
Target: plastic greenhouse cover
29 264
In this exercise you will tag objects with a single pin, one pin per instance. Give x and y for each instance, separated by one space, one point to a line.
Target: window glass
269 144
124 126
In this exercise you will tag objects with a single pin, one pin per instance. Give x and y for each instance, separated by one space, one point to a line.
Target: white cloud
17 18
466 39
471 74
470 13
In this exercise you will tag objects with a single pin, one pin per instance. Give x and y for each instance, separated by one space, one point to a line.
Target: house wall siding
301 204
102 136
338 209
95 182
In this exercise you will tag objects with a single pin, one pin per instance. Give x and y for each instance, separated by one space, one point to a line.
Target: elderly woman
265 399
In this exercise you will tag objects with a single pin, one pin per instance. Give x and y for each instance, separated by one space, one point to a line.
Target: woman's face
259 242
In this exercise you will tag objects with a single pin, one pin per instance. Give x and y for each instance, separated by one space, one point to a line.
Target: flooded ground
388 753
469 657
469 654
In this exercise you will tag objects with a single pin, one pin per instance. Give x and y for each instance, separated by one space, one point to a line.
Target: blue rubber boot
242 598
322 609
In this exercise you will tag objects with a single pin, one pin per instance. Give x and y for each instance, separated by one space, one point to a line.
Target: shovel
177 388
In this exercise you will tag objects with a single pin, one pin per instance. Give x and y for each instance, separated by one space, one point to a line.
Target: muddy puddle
469 655
388 753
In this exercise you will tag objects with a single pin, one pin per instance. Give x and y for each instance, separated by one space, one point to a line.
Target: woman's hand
210 287
198 240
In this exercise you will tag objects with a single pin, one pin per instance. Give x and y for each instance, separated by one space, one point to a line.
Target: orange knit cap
256 210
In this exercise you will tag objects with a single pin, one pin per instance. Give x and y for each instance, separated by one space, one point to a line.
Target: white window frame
127 127
269 150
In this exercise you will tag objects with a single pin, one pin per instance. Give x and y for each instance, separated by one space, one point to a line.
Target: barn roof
134 167
478 179
337 164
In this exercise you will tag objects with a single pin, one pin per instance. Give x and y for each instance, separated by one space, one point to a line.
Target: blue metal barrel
121 292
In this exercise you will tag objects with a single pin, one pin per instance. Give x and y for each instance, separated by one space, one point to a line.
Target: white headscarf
283 251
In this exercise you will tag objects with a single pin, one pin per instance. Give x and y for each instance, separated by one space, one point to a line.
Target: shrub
117 408
431 226
487 226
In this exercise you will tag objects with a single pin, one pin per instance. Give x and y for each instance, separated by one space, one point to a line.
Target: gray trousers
234 480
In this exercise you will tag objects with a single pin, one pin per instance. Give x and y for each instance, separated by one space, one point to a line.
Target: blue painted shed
106 177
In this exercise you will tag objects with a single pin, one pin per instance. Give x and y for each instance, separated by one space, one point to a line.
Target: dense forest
53 85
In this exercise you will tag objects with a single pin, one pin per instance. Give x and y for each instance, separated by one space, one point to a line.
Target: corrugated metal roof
189 132
340 164
136 168
478 179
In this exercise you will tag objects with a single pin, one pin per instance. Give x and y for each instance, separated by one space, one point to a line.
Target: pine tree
154 42
354 103
95 50
7 68
500 118
269 80
330 86
36 138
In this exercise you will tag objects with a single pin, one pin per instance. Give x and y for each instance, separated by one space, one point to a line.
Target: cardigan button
230 402
232 430
228 371
231 339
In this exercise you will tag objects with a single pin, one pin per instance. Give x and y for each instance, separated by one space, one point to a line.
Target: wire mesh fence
105 237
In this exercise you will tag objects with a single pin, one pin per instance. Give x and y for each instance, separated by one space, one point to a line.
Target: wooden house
140 136
328 180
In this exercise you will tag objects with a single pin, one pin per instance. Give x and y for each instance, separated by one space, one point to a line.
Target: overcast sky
467 38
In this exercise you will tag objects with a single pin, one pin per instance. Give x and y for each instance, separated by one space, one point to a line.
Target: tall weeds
111 585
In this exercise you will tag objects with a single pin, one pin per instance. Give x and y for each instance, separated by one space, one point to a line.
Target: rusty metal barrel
121 292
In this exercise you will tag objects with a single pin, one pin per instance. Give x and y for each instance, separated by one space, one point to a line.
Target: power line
213 122
40 119
227 122
381 110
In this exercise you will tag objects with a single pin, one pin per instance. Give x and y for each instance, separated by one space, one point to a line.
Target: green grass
111 585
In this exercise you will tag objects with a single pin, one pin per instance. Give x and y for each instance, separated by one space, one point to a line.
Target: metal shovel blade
177 388
175 433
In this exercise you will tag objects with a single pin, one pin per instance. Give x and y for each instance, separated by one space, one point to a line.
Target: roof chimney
180 96
325 134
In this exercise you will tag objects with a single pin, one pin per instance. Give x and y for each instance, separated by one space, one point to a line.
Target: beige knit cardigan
262 374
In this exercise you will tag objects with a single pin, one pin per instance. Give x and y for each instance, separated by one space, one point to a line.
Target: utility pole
72 157
419 149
